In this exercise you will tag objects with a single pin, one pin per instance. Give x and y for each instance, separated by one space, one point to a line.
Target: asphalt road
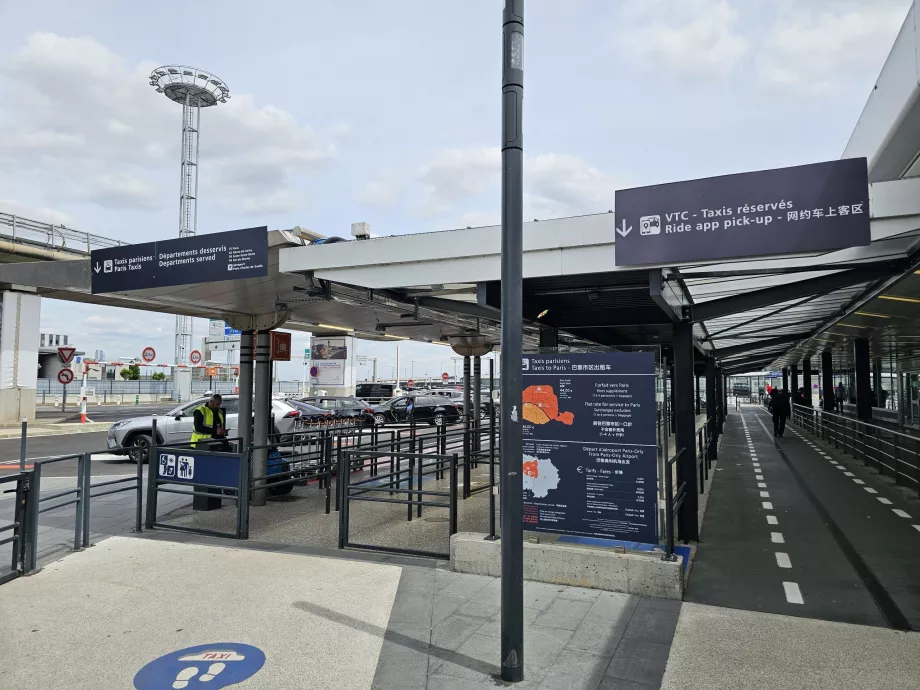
103 413
45 447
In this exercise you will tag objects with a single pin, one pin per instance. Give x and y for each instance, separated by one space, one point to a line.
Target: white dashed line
765 494
771 520
883 500
848 474
761 485
782 560
793 593
900 513
870 490
758 477
767 505
777 538
916 527
756 464
858 481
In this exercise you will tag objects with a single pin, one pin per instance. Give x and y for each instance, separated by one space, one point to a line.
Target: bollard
137 399
81 499
34 495
22 445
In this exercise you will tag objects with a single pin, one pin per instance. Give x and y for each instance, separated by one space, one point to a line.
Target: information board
207 258
806 208
590 446
189 467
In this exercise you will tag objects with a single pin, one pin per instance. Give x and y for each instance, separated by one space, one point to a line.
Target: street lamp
511 439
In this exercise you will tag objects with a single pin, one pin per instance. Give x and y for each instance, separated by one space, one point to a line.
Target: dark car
456 397
346 408
426 409
376 391
309 416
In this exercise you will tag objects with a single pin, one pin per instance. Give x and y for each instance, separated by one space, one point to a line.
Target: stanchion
22 445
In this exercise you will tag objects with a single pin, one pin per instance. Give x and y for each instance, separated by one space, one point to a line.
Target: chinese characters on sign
590 446
807 208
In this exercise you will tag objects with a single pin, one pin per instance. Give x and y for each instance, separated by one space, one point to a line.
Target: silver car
134 436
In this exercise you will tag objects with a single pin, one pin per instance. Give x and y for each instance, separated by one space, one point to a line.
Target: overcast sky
389 112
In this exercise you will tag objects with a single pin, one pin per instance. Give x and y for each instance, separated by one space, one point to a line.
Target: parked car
135 435
377 391
456 397
291 418
427 409
345 408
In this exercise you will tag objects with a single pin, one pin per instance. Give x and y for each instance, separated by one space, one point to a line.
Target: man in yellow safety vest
210 422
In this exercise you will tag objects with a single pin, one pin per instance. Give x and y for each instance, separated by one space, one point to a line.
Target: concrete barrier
643 574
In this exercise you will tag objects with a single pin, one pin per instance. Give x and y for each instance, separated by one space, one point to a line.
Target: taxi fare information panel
807 208
231 255
590 448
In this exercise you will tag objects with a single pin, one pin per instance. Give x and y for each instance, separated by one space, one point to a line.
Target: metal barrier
414 497
890 452
17 526
226 473
672 503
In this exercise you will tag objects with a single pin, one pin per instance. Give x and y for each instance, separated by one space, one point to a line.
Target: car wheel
139 448
439 419
280 490
379 419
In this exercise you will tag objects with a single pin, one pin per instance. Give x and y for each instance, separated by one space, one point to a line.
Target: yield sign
66 354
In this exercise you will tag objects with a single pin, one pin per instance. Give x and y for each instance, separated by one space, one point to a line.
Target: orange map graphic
531 469
541 406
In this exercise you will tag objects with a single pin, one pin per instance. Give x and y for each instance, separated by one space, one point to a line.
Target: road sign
66 354
208 258
314 371
281 346
195 357
410 383
807 208
212 371
445 376
149 354
65 376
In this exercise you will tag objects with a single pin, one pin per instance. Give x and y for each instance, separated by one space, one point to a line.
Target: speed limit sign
149 354
195 357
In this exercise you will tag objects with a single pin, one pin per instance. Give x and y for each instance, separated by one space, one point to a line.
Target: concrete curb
57 429
631 573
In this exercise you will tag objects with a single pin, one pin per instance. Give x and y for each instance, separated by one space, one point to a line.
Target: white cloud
94 130
692 37
452 175
816 51
384 191
554 185
39 213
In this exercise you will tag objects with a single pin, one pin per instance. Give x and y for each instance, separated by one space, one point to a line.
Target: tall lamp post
511 453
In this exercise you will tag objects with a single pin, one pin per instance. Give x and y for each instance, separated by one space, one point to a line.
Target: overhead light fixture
395 337
852 325
334 328
912 300
543 313
869 313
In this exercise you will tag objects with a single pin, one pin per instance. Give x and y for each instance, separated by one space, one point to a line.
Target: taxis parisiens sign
807 208
231 255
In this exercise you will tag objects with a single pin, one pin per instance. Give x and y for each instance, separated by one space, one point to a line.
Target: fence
890 452
111 389
17 526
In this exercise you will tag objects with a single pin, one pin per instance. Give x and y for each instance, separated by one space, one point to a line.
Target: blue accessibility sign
208 666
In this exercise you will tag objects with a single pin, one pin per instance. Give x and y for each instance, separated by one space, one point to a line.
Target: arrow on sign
97 267
624 231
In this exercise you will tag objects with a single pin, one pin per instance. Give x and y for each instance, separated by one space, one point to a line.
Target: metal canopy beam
735 365
761 345
778 294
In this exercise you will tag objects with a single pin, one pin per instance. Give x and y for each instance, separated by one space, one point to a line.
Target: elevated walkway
797 528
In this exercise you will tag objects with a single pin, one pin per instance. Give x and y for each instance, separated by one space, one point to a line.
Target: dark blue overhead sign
807 208
232 255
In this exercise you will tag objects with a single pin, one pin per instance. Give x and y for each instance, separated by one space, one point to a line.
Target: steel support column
476 415
685 430
261 415
696 403
245 391
786 379
827 380
711 404
877 380
806 380
794 370
863 378
549 338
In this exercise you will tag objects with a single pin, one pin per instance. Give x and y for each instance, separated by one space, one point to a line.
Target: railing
17 526
52 237
890 452
673 503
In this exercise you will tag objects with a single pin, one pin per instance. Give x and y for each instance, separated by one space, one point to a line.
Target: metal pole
261 420
35 488
476 413
467 427
245 386
22 445
139 515
151 478
81 497
87 482
511 439
491 536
